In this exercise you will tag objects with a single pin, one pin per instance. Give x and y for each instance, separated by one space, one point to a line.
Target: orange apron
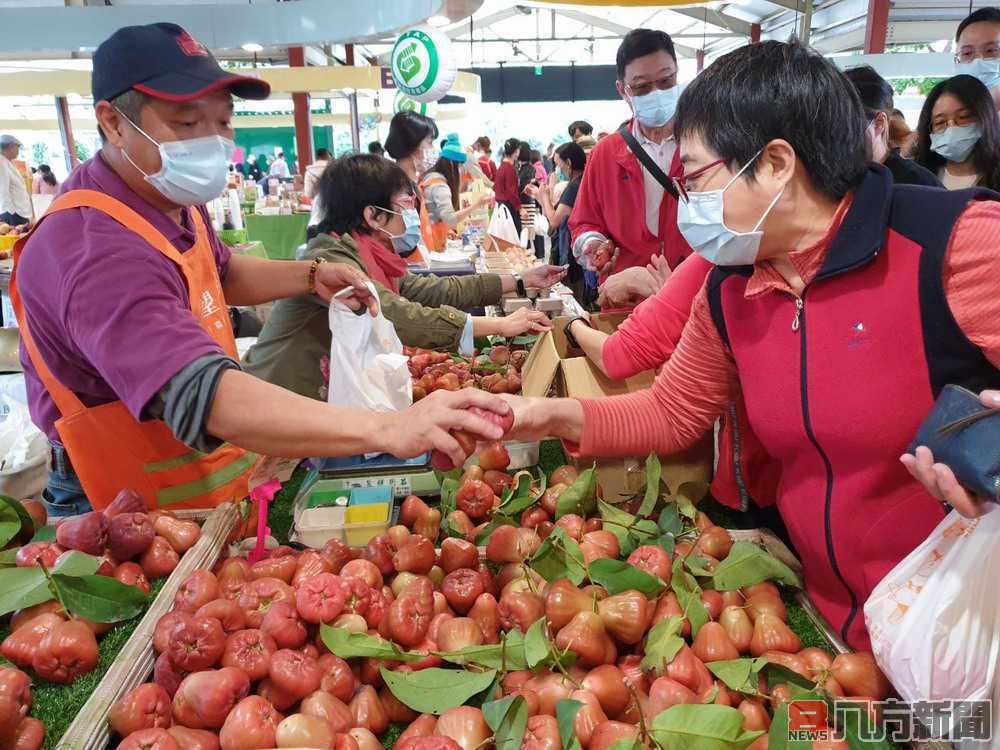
435 235
108 448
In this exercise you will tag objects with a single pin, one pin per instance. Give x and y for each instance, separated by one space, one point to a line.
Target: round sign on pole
403 103
422 64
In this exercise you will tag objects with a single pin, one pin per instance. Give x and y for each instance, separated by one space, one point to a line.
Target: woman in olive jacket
369 221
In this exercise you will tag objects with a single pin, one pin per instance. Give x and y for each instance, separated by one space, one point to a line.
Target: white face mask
428 158
702 223
987 71
655 109
192 172
956 143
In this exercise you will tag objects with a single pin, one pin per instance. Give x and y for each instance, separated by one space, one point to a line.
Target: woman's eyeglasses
680 183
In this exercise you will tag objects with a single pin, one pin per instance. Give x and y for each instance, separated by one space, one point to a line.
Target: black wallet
965 435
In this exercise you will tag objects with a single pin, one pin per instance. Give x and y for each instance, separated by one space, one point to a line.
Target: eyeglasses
641 89
680 183
968 54
958 120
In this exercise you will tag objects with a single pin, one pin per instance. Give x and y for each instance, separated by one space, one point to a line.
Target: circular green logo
403 103
416 61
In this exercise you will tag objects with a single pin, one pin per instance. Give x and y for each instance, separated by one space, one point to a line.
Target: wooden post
754 33
699 57
302 115
66 132
876 25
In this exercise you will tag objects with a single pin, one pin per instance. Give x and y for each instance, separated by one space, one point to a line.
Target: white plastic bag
368 369
502 229
24 453
934 621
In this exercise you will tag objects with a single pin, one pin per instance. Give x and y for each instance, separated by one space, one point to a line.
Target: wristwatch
570 338
519 282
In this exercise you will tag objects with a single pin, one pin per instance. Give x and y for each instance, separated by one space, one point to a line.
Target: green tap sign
403 103
422 65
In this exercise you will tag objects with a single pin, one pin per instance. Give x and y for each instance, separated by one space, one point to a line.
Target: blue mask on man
655 109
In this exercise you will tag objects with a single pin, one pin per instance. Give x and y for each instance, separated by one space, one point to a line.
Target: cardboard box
552 369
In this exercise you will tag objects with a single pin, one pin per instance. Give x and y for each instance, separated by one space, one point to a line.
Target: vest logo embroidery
860 336
208 306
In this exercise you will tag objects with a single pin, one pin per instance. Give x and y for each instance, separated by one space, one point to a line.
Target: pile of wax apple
583 614
72 590
497 370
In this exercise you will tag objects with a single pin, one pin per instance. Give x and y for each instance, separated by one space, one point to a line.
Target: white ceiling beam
716 18
615 28
456 32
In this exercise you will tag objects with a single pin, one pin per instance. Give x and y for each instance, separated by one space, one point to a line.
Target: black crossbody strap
650 166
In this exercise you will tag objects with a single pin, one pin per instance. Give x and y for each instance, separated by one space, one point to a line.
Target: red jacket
838 399
505 185
612 201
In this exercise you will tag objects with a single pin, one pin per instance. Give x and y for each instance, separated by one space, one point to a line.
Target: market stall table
280 235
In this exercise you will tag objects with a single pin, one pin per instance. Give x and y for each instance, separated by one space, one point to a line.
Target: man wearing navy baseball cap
122 294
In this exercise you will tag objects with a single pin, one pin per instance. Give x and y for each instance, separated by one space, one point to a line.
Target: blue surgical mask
956 143
987 71
656 109
407 242
192 172
701 221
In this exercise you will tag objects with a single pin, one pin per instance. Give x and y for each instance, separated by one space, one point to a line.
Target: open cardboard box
552 367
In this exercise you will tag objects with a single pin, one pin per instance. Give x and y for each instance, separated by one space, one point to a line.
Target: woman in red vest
841 305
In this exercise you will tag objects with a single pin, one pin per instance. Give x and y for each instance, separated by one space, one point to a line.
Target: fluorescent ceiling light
253 47
438 21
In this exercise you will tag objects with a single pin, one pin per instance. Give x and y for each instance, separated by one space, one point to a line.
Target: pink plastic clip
262 495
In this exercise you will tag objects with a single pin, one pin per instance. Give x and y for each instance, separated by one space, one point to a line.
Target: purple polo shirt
109 312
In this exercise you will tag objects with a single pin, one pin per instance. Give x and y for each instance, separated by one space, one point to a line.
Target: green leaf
76 563
856 725
777 736
775 674
663 641
566 710
449 490
685 506
653 473
580 497
10 521
695 565
747 564
666 542
629 530
738 674
537 645
435 690
670 520
689 597
8 557
22 587
518 497
627 744
701 727
508 718
559 556
44 534
498 520
99 598
508 655
617 576
347 645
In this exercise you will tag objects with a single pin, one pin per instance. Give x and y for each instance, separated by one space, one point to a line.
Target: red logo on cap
191 46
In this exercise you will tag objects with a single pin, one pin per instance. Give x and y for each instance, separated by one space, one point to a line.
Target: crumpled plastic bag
24 452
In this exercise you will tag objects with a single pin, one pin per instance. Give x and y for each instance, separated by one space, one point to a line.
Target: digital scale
404 477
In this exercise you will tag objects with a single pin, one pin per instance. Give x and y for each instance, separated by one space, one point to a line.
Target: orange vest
108 448
435 234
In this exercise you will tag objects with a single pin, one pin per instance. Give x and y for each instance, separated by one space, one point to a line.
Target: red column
754 33
303 117
66 131
699 57
876 25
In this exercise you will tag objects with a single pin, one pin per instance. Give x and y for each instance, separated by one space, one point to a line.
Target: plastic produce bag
934 621
368 369
502 228
24 453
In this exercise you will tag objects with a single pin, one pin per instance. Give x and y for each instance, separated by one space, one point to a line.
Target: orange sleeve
972 276
689 394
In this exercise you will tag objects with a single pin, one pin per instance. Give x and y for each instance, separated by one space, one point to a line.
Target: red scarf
381 263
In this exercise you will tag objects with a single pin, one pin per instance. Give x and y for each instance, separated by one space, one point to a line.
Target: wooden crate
89 730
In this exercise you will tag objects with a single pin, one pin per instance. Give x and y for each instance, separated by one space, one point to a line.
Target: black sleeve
568 197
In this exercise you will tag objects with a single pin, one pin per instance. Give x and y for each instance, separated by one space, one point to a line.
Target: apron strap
67 402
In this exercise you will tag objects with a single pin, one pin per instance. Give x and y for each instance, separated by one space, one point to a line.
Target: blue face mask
407 242
956 143
656 109
987 71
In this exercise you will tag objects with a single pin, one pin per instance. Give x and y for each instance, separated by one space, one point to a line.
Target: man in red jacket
623 214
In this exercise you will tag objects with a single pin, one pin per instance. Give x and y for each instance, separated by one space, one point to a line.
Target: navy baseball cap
164 61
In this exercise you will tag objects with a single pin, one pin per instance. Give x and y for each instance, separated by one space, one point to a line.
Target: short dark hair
322 153
989 14
572 154
770 90
407 130
483 142
639 43
130 104
873 90
46 172
375 147
977 98
352 183
583 126
525 154
510 146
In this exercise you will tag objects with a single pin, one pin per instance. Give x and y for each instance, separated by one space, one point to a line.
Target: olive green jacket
297 333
